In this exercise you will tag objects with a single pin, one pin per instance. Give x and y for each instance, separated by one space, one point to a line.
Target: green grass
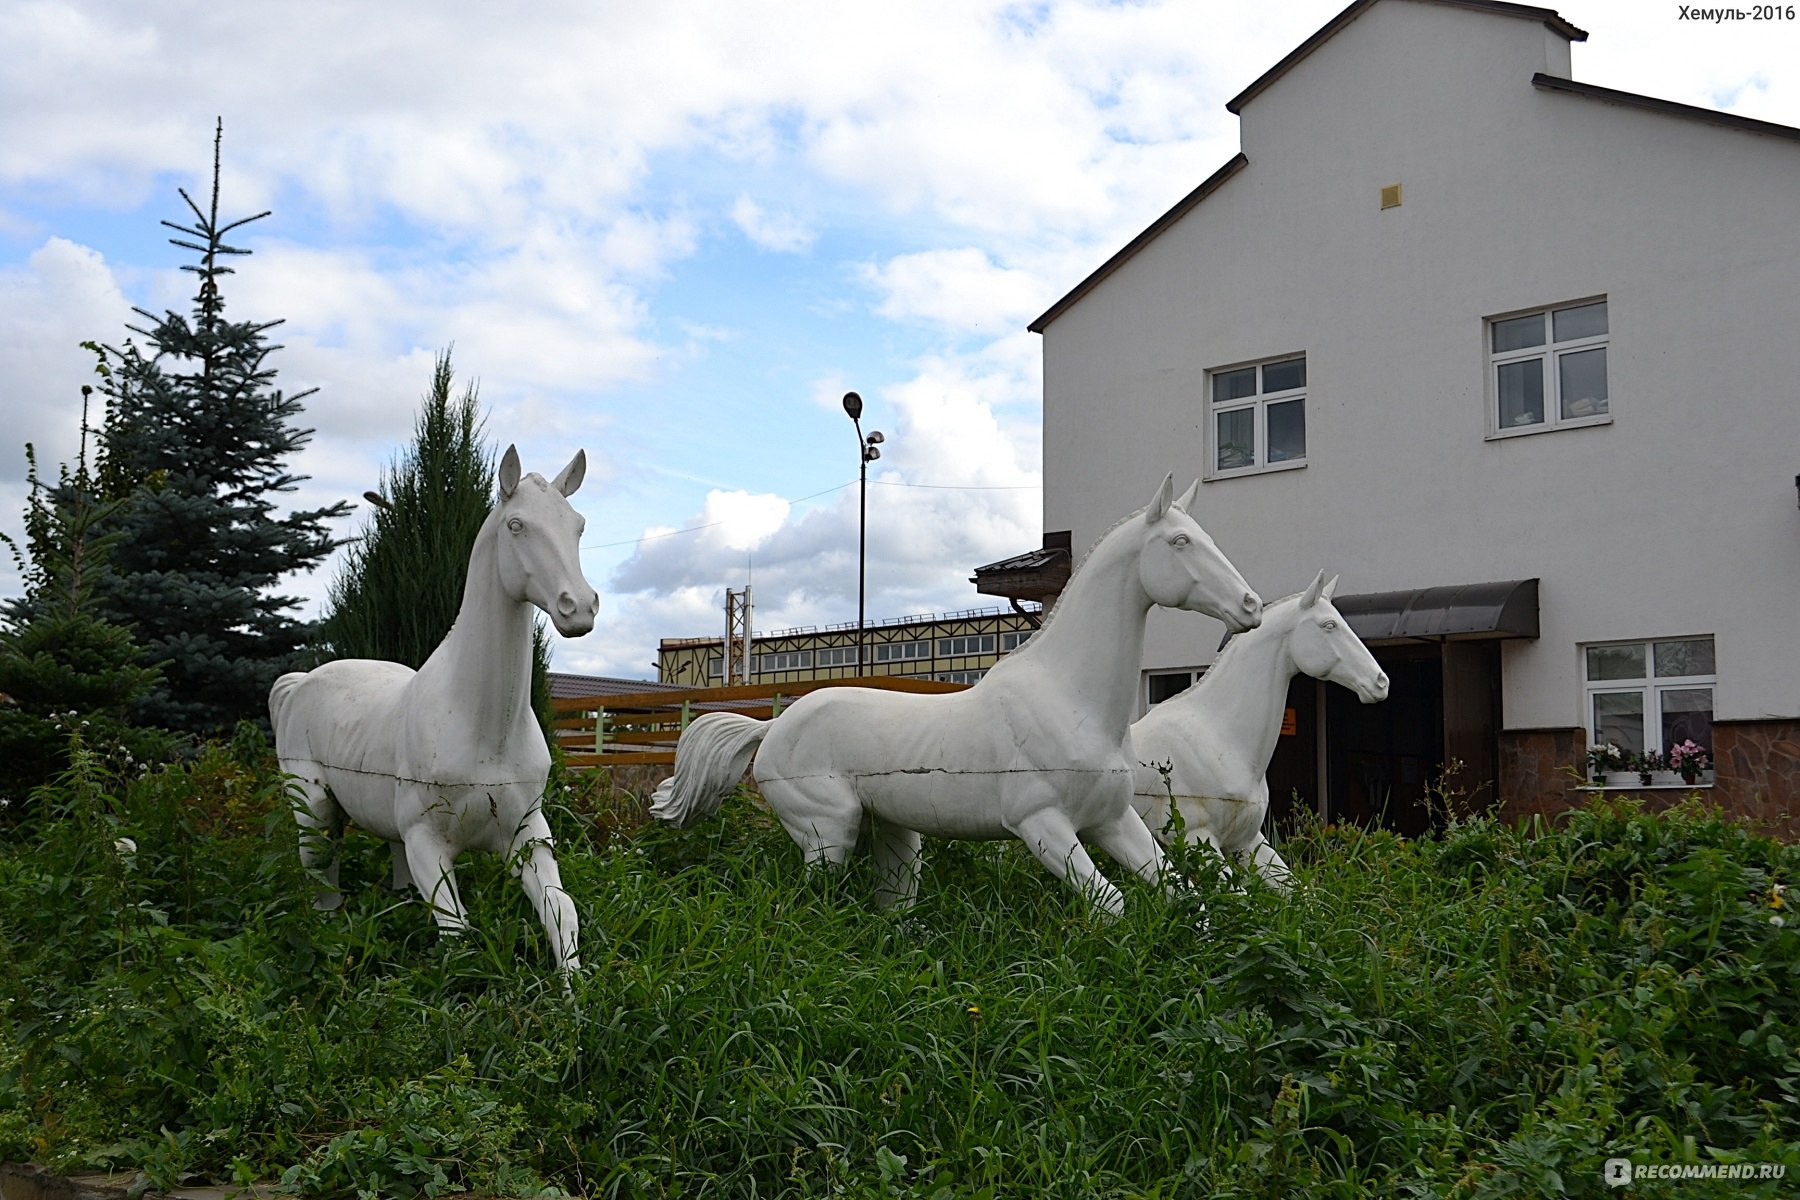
1490 1013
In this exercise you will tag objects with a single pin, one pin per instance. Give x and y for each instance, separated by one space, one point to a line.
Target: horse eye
1331 624
1180 539
516 525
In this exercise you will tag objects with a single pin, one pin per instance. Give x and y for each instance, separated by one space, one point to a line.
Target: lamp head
875 438
853 405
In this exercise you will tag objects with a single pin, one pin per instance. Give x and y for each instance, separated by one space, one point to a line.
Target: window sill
1252 472
1500 435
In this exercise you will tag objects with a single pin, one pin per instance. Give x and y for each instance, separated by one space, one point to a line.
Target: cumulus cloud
782 233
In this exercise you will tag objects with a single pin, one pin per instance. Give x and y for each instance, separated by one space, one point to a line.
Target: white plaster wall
1679 518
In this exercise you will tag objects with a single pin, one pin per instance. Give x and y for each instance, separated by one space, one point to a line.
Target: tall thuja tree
401 583
62 665
194 442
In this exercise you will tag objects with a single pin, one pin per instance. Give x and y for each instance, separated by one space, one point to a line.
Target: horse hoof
328 901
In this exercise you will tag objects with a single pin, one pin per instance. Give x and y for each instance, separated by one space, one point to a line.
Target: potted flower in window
1689 759
1602 759
1646 763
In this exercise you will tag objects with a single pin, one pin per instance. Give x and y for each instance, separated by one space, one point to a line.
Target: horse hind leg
896 852
1269 865
824 820
1131 844
321 824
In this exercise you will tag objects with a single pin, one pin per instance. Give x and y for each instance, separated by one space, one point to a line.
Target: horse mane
1233 641
1088 557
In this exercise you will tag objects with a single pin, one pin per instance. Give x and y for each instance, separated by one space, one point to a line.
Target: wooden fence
640 728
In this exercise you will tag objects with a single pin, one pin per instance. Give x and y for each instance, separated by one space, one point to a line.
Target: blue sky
672 234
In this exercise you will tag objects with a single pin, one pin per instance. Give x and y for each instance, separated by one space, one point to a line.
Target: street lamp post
868 450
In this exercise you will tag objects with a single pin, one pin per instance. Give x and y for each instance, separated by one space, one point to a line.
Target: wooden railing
640 728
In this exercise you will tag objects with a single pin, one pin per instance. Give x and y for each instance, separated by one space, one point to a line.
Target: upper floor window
902 651
1259 417
1547 369
1012 641
838 656
1650 696
958 647
784 660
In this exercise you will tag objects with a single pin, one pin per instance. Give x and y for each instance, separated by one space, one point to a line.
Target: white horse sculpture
1217 737
1036 750
451 757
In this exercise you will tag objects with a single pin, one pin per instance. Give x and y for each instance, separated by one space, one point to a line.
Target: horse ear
509 472
569 478
1165 496
1330 589
1314 590
1186 503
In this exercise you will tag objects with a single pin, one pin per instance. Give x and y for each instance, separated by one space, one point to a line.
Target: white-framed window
1258 416
837 656
1547 369
785 660
958 647
1166 685
1650 695
1012 641
902 651
715 667
960 676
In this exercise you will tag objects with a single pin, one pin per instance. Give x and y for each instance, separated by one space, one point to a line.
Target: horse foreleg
534 862
896 865
433 867
1050 837
1131 844
1268 864
321 822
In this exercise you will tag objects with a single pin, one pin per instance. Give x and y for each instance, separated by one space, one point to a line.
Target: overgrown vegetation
1486 1014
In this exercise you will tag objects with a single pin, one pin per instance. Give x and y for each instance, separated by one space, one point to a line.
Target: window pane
1619 719
1284 376
1287 431
1691 657
1167 687
1587 321
1583 382
1234 385
1521 387
1237 439
1519 333
1616 662
1687 717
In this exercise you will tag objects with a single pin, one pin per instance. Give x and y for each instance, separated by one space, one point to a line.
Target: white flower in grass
1777 921
124 847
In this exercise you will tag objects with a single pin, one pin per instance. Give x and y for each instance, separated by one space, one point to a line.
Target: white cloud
782 233
961 289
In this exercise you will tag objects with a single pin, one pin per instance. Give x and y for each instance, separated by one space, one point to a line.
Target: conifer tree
60 661
195 441
400 585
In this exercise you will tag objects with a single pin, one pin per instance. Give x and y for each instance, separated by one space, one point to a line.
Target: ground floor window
1166 685
1650 697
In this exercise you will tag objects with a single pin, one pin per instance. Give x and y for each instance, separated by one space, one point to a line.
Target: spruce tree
61 663
194 443
400 584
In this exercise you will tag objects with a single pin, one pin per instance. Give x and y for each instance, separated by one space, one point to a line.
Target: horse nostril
565 604
1251 602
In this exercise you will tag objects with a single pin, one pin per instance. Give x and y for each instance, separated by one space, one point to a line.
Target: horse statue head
1180 567
1323 646
539 543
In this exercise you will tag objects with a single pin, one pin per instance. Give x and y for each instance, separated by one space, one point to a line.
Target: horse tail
710 757
279 695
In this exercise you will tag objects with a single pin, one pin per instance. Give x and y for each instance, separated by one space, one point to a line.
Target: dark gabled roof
564 685
1711 116
1212 184
1549 16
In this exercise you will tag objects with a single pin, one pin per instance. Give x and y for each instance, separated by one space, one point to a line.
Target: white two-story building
1519 357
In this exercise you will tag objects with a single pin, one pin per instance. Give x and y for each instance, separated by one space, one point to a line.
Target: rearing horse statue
450 757
1036 750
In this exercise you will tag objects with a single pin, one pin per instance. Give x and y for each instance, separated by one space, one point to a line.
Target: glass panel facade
1619 719
1521 393
1585 321
1616 662
1284 376
1583 382
1692 656
1520 333
1287 430
1687 716
1237 439
1234 385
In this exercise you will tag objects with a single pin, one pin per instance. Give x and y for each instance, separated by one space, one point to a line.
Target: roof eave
1691 112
